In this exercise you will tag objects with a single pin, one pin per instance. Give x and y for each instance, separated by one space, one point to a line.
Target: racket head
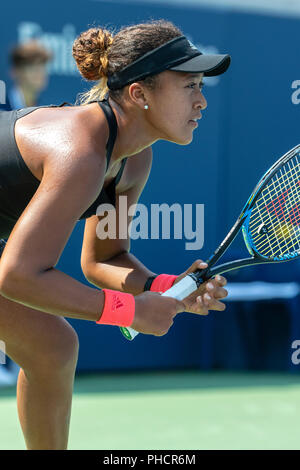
271 228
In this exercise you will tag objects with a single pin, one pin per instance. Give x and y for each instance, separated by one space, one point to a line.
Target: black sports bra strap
120 172
113 128
64 104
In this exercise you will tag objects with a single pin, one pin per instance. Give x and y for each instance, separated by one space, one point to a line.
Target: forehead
187 76
180 76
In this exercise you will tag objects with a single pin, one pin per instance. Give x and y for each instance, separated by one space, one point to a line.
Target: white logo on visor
192 45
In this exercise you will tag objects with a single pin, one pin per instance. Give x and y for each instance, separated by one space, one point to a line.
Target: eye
193 85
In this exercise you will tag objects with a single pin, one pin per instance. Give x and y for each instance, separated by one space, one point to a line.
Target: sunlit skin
176 100
65 148
172 104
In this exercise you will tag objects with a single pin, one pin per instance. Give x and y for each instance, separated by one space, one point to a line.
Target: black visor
179 55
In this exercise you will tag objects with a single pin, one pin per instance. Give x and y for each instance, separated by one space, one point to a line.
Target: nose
201 102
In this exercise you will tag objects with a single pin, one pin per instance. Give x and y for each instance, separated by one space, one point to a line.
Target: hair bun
90 52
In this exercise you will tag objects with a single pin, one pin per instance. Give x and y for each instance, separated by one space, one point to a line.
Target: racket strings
274 189
285 234
275 219
280 204
282 181
283 240
276 205
277 195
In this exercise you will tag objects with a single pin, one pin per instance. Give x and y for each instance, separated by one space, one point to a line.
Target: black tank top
18 184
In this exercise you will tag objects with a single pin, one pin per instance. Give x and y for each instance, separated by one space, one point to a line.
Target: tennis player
57 165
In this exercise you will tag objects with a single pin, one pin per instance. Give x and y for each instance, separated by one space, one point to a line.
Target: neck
134 133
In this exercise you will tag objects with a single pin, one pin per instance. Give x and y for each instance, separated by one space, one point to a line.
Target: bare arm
107 263
27 268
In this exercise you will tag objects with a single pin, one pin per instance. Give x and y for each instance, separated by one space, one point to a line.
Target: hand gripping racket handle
179 291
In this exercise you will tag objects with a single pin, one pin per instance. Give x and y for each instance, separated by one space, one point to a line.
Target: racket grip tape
178 291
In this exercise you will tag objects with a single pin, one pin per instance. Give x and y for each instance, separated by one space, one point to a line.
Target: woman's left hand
207 296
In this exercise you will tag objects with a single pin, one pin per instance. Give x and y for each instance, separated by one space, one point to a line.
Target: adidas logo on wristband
119 308
116 302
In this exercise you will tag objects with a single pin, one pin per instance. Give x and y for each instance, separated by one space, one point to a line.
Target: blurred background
242 362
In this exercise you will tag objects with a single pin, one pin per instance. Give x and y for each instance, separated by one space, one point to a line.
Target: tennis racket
270 223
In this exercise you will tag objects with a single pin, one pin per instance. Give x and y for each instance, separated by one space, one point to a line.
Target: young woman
57 165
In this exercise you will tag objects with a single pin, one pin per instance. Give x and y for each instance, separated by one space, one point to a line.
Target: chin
185 141
182 140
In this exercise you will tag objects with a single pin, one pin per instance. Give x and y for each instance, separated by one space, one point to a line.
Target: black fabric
2 245
108 194
18 184
178 54
113 128
149 282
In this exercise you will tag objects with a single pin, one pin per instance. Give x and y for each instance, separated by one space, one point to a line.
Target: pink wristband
163 282
119 308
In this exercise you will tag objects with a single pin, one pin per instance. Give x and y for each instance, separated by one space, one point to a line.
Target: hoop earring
146 106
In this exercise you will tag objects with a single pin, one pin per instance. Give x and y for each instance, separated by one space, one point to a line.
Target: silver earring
146 106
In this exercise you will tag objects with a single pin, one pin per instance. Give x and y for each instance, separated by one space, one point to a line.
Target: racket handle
128 332
179 291
182 289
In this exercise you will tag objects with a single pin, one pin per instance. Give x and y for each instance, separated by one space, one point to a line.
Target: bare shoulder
56 137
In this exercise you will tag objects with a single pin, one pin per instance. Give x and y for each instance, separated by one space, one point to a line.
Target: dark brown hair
98 53
31 52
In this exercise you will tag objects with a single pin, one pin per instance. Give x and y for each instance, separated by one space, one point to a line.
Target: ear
137 94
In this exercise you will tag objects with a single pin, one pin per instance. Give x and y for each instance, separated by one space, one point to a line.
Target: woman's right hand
154 313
